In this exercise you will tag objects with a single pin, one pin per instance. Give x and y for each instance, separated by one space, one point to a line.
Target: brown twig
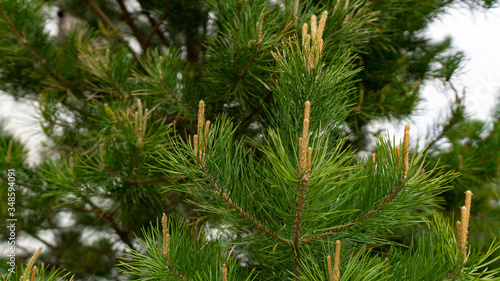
131 23
105 217
154 30
150 35
298 222
158 32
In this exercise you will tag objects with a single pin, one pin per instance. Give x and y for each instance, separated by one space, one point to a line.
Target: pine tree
260 179
473 152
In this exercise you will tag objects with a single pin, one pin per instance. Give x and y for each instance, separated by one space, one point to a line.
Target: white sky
476 33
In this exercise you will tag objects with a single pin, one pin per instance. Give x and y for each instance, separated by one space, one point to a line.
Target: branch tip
330 270
336 266
224 272
406 151
30 264
33 273
398 156
166 237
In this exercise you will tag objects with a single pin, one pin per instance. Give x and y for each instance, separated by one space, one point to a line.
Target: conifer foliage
236 124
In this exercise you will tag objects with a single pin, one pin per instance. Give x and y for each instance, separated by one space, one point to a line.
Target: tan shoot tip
308 162
307 109
195 145
468 198
406 151
330 270
166 249
398 156
321 25
224 272
166 237
464 230
314 26
336 266
459 231
164 222
207 127
201 119
31 262
33 273
296 8
305 29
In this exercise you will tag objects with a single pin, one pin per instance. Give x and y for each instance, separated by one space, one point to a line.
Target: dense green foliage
118 87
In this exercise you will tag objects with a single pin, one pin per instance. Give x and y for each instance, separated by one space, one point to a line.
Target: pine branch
133 181
239 77
298 221
115 83
443 133
359 220
52 247
31 187
304 165
172 94
240 210
453 273
102 215
457 115
39 58
245 69
177 273
136 163
102 16
257 108
105 217
119 88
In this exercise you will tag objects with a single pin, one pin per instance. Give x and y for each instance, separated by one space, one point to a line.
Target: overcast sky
476 33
